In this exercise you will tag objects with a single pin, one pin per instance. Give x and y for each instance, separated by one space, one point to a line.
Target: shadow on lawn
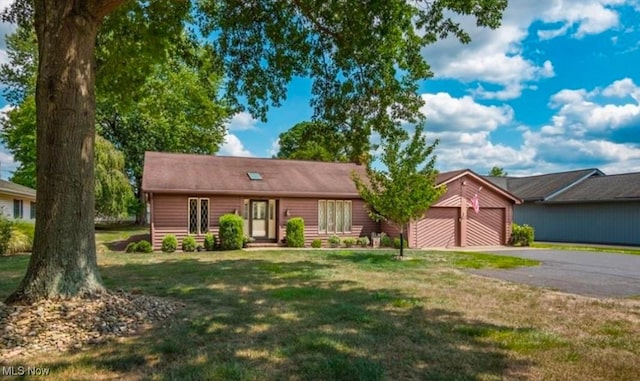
121 245
259 319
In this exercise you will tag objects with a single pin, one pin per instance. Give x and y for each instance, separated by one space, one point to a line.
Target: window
254 175
33 211
334 216
17 209
198 215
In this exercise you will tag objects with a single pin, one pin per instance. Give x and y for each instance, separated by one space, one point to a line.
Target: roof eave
254 193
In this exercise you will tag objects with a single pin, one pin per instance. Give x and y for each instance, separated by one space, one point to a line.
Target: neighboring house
187 194
583 206
17 202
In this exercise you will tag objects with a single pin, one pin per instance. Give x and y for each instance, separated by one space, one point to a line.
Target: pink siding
451 220
307 208
170 214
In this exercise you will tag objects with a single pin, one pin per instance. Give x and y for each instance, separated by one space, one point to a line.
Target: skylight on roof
254 175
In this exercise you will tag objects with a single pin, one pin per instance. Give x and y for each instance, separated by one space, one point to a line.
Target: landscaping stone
73 323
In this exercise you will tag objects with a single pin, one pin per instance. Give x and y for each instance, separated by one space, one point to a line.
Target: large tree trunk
63 262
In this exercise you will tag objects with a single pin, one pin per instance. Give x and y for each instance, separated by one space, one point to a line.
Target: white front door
259 219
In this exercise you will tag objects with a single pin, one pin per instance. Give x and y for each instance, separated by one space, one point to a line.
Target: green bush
5 234
139 247
210 242
316 243
231 234
144 247
295 232
21 240
131 247
396 243
363 241
189 244
169 243
522 235
349 241
386 241
334 240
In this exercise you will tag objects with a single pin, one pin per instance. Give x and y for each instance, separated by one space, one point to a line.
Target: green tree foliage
113 190
173 106
498 172
403 191
176 110
313 141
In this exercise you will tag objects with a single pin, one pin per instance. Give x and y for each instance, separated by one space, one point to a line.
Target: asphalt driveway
578 272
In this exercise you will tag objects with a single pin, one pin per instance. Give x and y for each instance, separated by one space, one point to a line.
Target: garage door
439 228
485 228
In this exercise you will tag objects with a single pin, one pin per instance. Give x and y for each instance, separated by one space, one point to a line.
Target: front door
259 219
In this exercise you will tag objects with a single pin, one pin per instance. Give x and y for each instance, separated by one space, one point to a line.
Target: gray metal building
583 206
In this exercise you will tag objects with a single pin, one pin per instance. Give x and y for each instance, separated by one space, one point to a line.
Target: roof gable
448 177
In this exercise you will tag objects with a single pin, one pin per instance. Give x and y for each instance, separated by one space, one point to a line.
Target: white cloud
445 113
580 113
463 127
233 147
275 148
496 56
242 121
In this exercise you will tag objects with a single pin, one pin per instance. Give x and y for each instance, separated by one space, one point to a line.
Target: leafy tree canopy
404 190
313 141
498 171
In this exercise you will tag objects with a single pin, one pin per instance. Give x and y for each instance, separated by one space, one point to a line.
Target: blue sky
556 88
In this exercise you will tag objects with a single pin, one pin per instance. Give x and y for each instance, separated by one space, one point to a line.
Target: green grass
586 247
347 315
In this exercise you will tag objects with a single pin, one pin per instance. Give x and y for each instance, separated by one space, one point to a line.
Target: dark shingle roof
621 187
225 175
16 189
541 187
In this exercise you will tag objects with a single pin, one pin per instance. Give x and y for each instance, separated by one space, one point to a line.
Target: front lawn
350 315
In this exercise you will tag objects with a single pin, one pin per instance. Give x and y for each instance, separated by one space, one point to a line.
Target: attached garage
452 221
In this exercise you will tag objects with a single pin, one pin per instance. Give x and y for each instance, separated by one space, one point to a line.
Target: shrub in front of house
144 247
21 240
139 247
295 232
334 240
349 241
169 243
316 243
131 247
5 234
231 235
386 241
522 235
210 242
396 243
189 244
363 241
